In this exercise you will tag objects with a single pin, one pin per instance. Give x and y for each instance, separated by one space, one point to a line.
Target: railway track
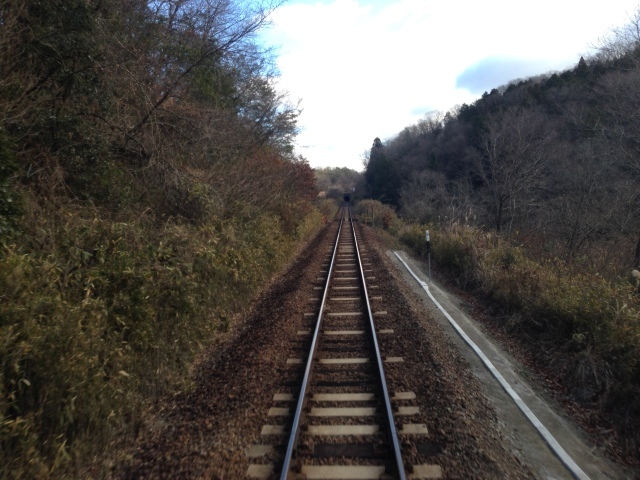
335 417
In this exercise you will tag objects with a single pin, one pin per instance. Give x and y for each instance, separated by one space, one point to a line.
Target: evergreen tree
381 176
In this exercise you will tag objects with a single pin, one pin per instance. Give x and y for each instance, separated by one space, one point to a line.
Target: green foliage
551 295
212 86
60 45
382 179
309 226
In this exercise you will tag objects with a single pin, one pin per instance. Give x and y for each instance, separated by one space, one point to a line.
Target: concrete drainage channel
563 449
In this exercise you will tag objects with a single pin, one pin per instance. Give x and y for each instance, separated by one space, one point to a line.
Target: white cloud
362 68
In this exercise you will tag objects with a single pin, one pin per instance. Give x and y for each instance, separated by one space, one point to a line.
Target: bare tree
210 29
511 161
622 46
582 207
430 197
425 197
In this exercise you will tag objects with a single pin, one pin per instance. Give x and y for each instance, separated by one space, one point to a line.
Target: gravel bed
207 432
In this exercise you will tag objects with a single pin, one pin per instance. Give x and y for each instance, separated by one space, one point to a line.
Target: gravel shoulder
518 431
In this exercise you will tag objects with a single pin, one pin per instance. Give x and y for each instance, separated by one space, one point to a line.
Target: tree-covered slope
147 190
557 155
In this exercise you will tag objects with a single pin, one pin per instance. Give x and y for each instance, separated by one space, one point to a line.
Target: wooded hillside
556 156
532 195
147 190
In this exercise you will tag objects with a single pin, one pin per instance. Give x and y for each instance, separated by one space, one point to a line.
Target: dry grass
593 320
101 318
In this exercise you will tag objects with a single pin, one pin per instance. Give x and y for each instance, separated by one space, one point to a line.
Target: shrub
328 208
99 319
380 214
413 236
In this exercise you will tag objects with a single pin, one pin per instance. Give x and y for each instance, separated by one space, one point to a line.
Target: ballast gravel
207 432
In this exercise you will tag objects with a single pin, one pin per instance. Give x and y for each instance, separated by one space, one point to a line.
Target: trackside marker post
428 240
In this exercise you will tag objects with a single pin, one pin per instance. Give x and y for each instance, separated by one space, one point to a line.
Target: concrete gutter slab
525 439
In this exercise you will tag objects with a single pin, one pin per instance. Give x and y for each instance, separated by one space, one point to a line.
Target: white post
428 239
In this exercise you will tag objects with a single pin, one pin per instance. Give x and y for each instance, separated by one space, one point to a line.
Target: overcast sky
369 68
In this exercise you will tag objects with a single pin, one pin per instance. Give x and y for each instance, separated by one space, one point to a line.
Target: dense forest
532 195
148 189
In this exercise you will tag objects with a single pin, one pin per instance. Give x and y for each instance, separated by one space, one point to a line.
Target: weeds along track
333 416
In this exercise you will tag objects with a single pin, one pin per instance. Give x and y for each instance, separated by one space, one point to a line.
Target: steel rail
295 427
391 428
